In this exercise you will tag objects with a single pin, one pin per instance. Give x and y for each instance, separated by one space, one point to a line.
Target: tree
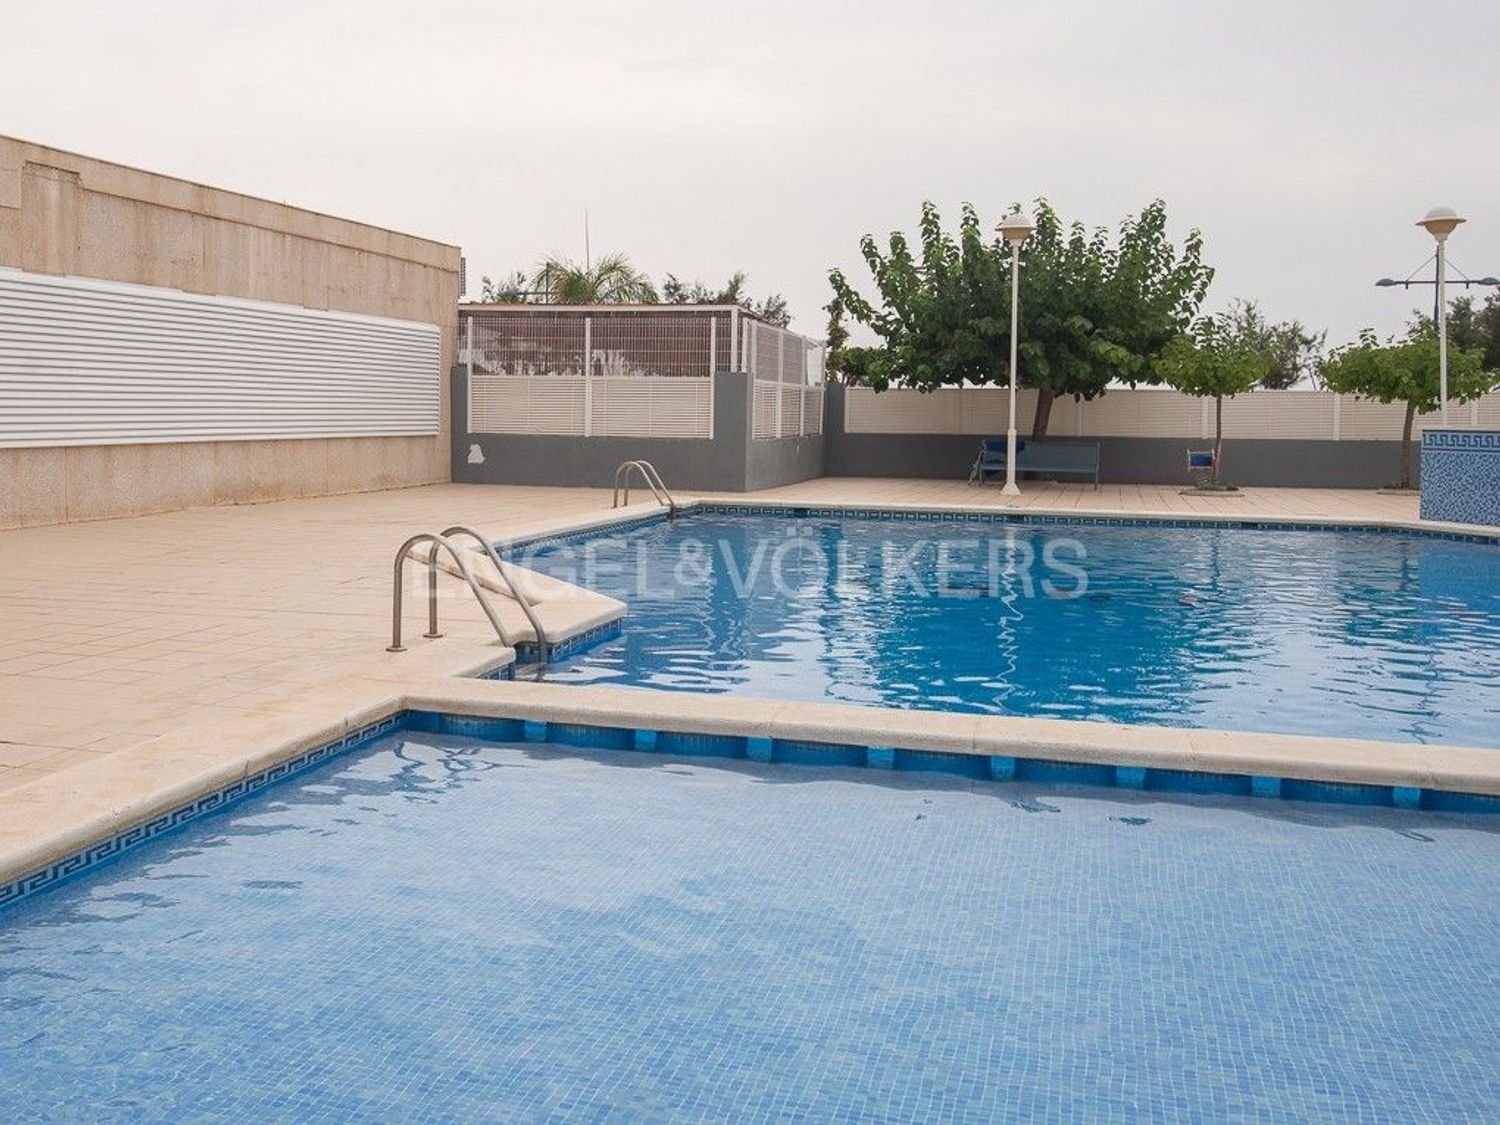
1094 309
1213 360
1406 370
675 291
941 319
1296 353
610 280
1471 326
510 289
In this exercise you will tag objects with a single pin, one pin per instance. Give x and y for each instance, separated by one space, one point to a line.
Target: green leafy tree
610 280
1406 370
1213 360
510 289
942 317
1098 310
1472 326
1296 353
1095 308
675 291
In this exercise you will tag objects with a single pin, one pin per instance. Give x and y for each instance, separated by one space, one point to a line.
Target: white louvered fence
89 362
630 371
1318 415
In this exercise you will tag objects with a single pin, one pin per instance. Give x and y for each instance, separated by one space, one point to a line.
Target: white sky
1303 138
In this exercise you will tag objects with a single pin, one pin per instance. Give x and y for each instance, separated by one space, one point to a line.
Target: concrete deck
217 627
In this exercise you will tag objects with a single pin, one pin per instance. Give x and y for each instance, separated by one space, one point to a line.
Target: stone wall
67 214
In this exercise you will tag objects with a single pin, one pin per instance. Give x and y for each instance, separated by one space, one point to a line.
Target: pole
1010 488
1442 327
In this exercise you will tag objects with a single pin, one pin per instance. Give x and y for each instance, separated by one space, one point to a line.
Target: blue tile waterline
587 736
789 510
436 927
1241 625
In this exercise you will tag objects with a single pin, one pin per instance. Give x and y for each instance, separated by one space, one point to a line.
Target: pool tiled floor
429 930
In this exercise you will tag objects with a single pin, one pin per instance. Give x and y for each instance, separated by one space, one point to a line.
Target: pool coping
76 819
96 809
1006 515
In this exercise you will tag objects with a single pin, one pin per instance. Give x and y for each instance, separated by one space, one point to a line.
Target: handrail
402 555
653 481
542 644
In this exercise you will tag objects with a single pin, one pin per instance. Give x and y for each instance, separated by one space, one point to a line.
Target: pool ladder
443 542
650 476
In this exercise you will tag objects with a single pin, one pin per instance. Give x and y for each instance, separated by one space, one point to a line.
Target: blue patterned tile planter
1461 476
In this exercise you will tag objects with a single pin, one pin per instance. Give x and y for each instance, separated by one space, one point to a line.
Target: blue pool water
437 928
1353 634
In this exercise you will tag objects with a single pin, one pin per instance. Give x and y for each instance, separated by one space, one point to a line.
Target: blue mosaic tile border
979 767
550 539
1486 441
733 747
1045 519
900 515
528 652
107 849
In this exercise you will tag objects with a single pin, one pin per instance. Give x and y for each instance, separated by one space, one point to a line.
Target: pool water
1352 634
439 928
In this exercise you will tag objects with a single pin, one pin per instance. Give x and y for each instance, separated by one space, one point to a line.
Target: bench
1080 458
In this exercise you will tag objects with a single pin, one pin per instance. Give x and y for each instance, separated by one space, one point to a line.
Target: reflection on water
1352 634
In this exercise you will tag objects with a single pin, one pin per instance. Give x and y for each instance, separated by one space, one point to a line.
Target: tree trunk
1411 413
1044 399
1218 435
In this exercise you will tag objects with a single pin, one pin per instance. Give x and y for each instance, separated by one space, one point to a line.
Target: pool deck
150 658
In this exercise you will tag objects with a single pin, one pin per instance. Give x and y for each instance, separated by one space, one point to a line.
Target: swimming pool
445 928
1361 634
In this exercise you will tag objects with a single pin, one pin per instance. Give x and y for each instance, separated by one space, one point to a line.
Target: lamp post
1440 222
1014 228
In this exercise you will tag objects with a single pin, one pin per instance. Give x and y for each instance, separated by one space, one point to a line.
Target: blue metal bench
1079 458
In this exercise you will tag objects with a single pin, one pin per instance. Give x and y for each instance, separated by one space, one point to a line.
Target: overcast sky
1303 138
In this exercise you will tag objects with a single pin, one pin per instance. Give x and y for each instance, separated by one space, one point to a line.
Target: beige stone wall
68 214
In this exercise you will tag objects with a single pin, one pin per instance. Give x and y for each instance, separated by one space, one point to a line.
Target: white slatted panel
1487 413
1304 415
1127 413
902 412
791 412
519 404
1290 414
1364 419
766 417
814 410
87 362
984 410
645 407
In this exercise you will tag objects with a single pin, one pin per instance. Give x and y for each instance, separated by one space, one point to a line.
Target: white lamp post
1014 228
1440 222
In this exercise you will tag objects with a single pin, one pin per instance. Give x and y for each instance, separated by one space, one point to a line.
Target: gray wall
1129 460
730 462
733 462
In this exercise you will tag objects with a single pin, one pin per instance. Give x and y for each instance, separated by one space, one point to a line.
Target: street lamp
1014 228
1440 222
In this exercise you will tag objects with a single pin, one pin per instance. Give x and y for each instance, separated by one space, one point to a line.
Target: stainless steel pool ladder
444 542
653 481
